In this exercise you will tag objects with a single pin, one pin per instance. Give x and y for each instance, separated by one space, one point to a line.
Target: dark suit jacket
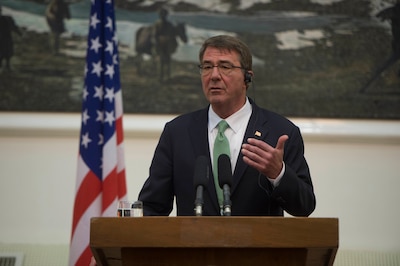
185 138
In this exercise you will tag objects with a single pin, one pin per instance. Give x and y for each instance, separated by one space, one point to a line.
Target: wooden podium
220 241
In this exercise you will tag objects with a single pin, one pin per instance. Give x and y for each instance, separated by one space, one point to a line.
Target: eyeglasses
224 68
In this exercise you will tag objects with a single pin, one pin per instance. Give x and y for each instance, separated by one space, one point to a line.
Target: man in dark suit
270 173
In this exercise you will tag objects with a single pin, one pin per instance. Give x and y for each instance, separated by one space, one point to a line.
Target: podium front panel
214 240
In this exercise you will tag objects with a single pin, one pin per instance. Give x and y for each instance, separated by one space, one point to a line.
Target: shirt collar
235 121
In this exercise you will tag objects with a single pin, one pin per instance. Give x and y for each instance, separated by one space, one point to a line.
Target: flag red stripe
119 130
86 194
85 257
121 184
110 189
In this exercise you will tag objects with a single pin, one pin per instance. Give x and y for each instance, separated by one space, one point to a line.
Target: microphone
200 180
225 182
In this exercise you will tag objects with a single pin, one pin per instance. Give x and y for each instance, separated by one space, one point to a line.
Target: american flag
101 169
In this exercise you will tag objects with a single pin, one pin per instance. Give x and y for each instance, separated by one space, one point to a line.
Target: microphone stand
226 210
198 210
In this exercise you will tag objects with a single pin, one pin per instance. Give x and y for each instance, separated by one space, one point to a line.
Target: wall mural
312 58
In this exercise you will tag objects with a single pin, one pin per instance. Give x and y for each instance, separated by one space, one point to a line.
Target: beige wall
355 167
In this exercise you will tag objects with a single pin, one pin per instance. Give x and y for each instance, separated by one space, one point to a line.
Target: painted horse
160 42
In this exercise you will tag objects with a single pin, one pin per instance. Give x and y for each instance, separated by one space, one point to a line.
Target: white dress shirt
235 134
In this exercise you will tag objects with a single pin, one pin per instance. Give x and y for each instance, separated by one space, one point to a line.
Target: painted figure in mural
159 40
56 12
7 27
391 14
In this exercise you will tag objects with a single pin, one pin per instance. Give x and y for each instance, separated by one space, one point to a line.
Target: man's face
225 92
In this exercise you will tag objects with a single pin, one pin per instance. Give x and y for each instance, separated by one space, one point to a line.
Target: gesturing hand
266 159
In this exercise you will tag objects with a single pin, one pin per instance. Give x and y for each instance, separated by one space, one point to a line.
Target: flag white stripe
82 171
118 104
80 239
121 161
109 150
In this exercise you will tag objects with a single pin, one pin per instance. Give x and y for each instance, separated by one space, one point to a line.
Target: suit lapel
199 134
199 139
256 128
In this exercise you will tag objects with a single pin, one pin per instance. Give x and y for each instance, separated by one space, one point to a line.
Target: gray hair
230 43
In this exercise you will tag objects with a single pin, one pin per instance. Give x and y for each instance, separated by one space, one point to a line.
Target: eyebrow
219 62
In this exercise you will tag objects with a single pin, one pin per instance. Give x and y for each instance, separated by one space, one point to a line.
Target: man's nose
215 74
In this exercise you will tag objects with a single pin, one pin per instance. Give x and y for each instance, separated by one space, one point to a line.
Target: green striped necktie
221 146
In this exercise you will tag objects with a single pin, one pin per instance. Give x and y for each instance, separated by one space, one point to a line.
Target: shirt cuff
275 182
